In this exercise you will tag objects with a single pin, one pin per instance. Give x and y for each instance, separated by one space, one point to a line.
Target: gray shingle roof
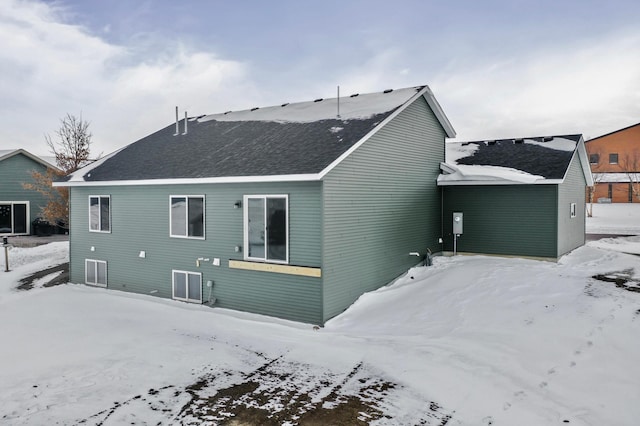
236 148
532 159
289 139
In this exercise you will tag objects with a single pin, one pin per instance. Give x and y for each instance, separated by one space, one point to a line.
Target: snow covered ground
623 219
472 340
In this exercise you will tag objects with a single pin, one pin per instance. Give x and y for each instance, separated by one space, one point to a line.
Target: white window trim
186 223
100 214
173 286
245 203
86 277
13 224
572 210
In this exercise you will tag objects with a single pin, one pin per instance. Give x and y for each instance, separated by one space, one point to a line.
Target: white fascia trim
439 113
581 152
584 162
372 132
498 182
447 168
30 156
188 181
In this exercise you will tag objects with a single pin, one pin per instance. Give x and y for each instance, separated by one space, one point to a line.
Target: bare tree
73 144
597 178
71 149
630 165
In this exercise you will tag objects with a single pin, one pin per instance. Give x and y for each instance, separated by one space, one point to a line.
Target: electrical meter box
457 223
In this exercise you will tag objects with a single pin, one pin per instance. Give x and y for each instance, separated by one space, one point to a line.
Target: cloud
50 67
590 87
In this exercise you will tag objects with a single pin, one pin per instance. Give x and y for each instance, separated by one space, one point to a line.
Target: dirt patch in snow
278 392
623 279
59 274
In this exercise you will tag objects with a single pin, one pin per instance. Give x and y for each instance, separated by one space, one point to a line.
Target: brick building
615 164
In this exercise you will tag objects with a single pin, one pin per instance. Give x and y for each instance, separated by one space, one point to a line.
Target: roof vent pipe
177 124
185 123
338 101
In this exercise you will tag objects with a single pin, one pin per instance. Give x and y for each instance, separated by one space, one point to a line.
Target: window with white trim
572 210
266 228
100 213
95 272
187 286
187 216
14 218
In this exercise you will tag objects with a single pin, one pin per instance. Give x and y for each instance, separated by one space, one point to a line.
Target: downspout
441 219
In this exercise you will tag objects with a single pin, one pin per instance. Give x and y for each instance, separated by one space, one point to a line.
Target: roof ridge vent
518 141
388 91
491 143
318 100
284 104
355 95
227 112
255 108
547 138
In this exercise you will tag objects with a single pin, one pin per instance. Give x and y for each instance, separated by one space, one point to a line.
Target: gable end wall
571 231
380 204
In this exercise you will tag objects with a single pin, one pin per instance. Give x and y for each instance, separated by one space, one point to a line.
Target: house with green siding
19 206
293 210
515 197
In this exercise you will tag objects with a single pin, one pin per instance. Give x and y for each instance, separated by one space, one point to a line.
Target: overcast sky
498 68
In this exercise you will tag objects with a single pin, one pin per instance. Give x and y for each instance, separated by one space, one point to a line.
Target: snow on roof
488 174
350 107
78 175
558 143
614 177
509 161
298 141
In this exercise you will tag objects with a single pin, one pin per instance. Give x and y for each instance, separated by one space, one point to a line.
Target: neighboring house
615 163
523 197
19 206
292 211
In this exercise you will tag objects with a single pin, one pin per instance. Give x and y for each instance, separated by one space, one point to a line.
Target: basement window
100 213
266 228
95 272
187 286
572 210
187 216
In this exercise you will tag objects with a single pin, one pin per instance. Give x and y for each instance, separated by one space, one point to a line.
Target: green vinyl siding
571 231
515 220
380 204
140 222
14 171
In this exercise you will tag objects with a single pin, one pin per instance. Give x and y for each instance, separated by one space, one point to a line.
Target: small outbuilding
516 197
